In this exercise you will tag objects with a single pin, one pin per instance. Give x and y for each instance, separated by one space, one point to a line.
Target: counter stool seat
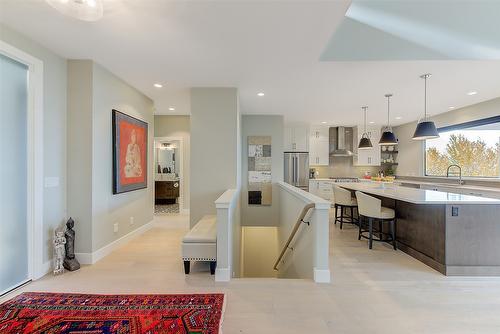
342 199
370 209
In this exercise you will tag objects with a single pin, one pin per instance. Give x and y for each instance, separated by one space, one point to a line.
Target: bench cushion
205 231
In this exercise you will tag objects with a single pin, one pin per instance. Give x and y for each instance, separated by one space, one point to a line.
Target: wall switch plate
115 227
454 211
131 220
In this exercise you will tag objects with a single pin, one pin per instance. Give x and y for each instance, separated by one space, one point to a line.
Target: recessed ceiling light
85 10
472 92
171 108
399 117
260 94
158 85
372 122
451 107
323 122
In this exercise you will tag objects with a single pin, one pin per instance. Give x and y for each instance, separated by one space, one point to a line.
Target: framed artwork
130 153
259 170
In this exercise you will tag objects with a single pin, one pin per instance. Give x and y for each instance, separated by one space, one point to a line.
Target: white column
321 229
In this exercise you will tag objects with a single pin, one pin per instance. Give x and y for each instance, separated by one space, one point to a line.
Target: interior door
14 248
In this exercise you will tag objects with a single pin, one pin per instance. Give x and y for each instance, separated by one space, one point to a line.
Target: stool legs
370 232
360 223
187 267
213 264
336 214
341 216
393 233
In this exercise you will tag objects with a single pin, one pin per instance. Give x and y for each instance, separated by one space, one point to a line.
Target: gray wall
262 125
54 129
110 92
214 147
93 93
411 152
177 126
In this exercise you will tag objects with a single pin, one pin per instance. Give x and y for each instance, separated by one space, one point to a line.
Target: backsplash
343 167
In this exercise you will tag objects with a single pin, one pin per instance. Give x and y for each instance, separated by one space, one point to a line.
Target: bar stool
371 208
342 199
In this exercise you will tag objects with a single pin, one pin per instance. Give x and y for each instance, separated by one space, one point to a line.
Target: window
474 146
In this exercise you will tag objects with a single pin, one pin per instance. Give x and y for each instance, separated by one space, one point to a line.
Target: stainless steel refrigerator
297 169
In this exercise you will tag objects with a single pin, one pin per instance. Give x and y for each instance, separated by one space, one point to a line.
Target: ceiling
316 61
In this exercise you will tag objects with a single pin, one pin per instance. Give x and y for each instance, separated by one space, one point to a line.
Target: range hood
341 141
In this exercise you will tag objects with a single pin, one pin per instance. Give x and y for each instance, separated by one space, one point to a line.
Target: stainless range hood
341 141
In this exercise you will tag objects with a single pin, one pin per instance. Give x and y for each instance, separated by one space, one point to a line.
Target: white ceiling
269 46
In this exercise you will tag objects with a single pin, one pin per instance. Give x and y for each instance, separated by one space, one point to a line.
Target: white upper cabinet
367 157
296 138
318 146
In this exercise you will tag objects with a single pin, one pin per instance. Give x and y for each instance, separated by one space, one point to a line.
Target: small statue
59 242
70 262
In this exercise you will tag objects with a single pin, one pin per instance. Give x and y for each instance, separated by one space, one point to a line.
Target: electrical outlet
454 211
115 227
131 220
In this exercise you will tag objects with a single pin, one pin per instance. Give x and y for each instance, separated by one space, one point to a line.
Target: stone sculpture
70 262
59 242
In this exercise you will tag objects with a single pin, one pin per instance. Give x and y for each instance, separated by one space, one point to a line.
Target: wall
110 92
411 152
177 126
54 129
260 250
214 147
262 125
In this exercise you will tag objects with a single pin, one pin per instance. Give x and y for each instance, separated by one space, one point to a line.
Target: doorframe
181 166
36 268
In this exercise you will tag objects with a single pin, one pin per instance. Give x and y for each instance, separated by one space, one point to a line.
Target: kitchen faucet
460 182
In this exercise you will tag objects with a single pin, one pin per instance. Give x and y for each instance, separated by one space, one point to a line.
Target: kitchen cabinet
367 157
296 138
323 189
319 151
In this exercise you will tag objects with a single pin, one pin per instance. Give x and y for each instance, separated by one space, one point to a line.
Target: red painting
130 153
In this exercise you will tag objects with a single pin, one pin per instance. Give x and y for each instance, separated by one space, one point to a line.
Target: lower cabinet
323 189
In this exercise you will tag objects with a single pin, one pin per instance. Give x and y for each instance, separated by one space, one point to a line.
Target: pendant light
425 129
365 142
85 10
388 138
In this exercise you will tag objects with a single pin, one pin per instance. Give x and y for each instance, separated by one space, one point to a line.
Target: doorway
21 167
169 194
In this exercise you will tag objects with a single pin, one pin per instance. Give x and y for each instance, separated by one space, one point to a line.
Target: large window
474 146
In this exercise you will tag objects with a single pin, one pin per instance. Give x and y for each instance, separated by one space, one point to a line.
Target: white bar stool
371 208
342 199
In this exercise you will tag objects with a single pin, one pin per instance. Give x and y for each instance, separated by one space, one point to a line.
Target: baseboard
321 275
91 258
222 274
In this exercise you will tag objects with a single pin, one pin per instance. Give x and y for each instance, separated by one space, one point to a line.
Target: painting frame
122 169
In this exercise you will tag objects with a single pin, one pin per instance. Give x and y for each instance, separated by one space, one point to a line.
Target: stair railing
300 220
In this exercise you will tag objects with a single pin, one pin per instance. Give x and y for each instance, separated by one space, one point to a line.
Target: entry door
14 247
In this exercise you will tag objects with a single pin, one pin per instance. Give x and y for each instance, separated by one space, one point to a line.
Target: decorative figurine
70 262
59 242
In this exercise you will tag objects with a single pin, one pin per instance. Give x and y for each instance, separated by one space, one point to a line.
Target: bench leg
213 264
187 266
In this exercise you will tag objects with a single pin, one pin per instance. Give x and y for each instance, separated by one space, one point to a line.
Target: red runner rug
78 313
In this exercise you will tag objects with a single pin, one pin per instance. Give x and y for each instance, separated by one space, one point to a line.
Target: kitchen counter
450 185
416 196
456 234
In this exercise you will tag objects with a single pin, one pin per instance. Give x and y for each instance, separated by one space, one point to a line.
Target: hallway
380 291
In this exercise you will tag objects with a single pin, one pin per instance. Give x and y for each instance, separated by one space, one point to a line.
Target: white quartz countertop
416 196
450 185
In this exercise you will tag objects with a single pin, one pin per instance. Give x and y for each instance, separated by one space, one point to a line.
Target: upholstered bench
200 243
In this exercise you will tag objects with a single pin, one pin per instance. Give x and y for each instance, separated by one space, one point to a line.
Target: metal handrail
300 220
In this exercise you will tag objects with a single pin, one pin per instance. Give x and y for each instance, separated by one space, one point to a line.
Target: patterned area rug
118 314
166 208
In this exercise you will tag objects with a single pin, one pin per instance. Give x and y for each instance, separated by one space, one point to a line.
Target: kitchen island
456 234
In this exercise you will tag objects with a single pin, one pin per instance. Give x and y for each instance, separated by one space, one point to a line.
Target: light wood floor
377 291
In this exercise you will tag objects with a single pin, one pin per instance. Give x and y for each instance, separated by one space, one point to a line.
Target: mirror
167 167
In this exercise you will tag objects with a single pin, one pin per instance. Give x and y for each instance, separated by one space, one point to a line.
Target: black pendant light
425 129
388 137
365 142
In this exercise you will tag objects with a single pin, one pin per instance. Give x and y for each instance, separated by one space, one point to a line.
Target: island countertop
415 196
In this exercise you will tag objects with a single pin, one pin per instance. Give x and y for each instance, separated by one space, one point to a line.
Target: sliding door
14 227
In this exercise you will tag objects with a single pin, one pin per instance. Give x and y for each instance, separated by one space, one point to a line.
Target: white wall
177 126
54 129
411 152
214 147
262 125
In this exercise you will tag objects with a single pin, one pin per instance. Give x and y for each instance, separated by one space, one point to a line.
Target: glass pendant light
365 142
425 129
388 137
85 10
